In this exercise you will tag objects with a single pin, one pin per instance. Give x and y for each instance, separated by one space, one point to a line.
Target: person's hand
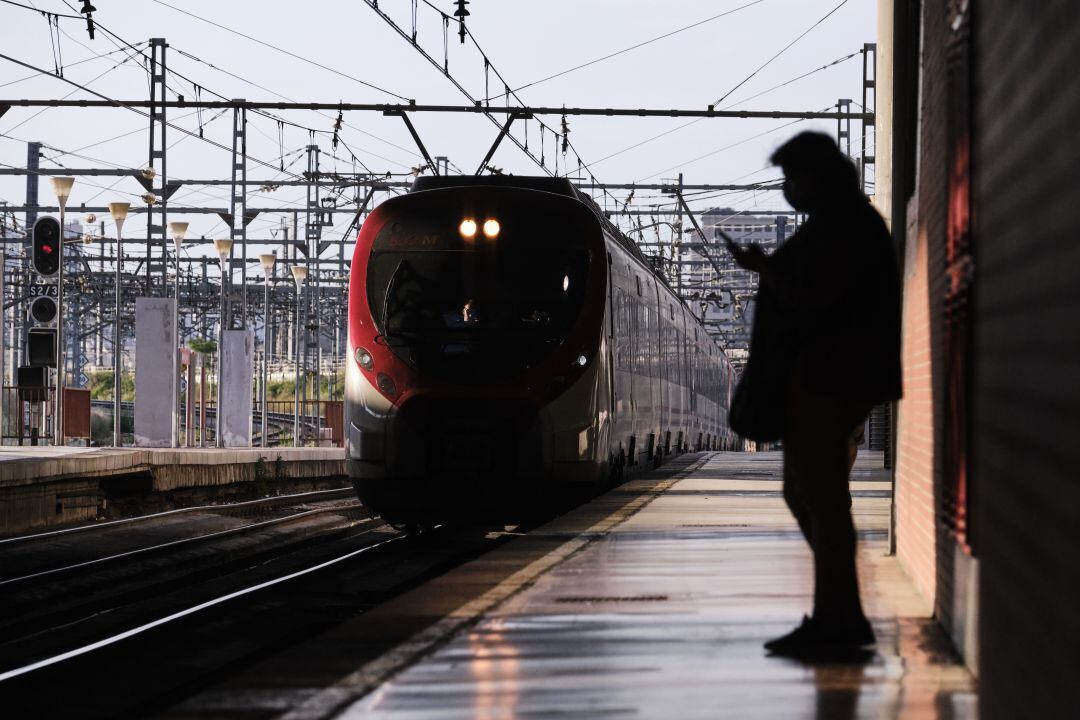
751 258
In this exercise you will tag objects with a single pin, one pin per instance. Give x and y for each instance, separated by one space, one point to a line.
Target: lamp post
223 247
299 273
119 211
62 189
178 230
267 262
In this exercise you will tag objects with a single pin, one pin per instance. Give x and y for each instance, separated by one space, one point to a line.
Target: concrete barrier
47 486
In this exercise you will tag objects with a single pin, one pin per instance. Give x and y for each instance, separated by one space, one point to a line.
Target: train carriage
509 345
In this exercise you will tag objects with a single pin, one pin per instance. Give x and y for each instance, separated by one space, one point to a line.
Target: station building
976 166
727 296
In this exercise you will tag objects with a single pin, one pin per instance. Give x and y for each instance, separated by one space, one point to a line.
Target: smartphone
731 246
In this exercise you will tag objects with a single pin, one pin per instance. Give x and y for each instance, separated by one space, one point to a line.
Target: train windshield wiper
384 318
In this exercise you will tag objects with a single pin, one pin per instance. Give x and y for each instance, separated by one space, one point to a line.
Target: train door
694 380
613 438
639 371
661 421
611 313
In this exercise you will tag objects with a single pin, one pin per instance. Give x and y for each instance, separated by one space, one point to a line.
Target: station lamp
299 273
267 262
223 246
178 230
62 189
119 212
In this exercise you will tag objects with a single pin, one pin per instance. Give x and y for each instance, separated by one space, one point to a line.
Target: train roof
543 183
557 186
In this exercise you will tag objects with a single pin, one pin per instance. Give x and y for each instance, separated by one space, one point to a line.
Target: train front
475 383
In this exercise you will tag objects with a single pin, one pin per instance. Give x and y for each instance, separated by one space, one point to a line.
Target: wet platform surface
665 616
651 602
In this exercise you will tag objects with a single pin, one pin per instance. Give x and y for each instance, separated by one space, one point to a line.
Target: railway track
278 424
232 509
170 619
78 574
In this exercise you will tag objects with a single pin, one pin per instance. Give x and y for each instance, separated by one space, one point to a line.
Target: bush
203 345
101 386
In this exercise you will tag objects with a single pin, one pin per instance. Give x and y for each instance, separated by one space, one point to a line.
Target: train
509 345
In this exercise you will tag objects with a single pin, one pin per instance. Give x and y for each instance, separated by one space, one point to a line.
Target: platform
44 486
652 601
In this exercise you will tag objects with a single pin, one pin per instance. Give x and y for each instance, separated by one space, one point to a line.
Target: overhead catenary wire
291 54
114 38
83 61
59 77
121 104
782 50
747 79
625 50
697 120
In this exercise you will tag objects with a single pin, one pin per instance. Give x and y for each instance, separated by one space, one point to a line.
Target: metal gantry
104 280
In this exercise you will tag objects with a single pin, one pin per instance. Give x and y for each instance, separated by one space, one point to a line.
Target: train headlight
581 361
364 358
491 228
467 228
386 384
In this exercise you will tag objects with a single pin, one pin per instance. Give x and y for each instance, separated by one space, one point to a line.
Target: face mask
795 196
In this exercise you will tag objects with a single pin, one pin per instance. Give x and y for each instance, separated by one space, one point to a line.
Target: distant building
724 290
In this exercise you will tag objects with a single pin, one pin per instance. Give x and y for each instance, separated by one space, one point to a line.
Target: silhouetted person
834 289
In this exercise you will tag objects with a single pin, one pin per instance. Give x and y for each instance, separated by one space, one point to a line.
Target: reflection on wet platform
665 616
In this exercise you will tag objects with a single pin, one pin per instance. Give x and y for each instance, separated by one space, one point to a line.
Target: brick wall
918 538
1027 379
915 542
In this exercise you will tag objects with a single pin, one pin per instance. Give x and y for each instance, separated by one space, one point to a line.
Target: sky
337 51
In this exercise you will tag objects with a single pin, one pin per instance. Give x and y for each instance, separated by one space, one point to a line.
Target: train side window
671 311
638 278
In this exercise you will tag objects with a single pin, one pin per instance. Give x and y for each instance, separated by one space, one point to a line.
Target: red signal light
47 246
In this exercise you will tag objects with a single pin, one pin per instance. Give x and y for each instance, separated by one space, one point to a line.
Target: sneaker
814 635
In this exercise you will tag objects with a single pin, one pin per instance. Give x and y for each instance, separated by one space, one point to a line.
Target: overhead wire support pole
158 149
313 225
238 212
498 140
416 139
869 102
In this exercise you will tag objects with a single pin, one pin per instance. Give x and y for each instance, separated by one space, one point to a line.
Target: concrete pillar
154 348
237 375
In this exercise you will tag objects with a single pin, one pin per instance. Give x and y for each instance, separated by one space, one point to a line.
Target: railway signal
43 310
41 340
41 347
46 248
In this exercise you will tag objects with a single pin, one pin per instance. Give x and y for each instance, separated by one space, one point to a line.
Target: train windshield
439 295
